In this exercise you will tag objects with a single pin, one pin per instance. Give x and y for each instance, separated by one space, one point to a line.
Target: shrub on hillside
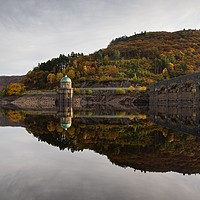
15 89
90 92
131 88
120 91
77 91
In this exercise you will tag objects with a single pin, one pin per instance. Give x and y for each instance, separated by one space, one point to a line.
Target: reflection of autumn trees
134 142
138 133
133 133
15 115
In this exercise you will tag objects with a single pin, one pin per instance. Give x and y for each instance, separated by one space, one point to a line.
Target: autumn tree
71 74
15 89
105 59
36 79
91 71
59 75
113 71
51 126
165 73
15 115
51 78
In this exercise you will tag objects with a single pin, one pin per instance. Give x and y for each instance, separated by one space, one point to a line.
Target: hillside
6 80
140 59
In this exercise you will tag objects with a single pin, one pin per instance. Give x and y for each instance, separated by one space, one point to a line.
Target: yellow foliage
51 78
106 59
71 74
85 69
131 88
190 69
71 131
59 75
142 116
171 66
120 91
165 72
59 129
171 138
131 117
15 89
142 88
120 114
164 133
14 116
64 71
51 126
191 50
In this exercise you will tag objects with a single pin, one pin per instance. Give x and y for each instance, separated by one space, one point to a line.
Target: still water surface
106 162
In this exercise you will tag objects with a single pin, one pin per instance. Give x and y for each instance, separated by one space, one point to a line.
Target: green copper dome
65 79
65 126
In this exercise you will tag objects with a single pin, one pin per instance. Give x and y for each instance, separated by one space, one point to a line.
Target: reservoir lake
116 156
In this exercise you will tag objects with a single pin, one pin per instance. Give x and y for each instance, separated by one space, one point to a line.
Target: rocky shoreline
29 101
47 100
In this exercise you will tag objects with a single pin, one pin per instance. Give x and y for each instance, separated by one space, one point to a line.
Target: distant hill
6 80
140 59
180 45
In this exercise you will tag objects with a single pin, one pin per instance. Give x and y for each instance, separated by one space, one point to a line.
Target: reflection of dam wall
180 118
174 103
17 117
184 119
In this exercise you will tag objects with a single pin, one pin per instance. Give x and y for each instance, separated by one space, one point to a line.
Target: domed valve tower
65 93
65 102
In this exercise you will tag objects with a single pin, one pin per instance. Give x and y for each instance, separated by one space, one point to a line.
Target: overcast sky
34 31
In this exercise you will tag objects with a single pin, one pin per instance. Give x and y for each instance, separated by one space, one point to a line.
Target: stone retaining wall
37 101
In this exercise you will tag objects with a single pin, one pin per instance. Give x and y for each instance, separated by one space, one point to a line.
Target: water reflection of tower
65 102
66 118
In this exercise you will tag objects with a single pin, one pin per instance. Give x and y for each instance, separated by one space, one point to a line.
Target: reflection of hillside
172 157
11 118
128 140
135 143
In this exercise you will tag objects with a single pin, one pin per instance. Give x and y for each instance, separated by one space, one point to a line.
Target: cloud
34 31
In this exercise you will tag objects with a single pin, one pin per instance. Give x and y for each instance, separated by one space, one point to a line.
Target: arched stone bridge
183 91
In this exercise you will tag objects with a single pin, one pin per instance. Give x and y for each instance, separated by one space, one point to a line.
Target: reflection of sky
35 170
